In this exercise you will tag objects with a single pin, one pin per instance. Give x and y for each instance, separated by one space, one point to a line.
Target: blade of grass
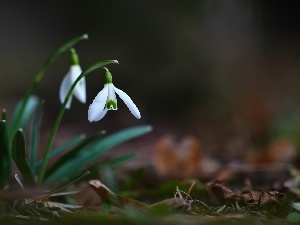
73 152
68 184
57 191
122 159
62 148
23 118
133 179
108 172
91 153
112 162
19 156
35 135
5 158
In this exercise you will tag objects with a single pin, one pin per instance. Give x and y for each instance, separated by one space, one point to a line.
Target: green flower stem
63 48
74 60
35 134
3 115
108 76
91 68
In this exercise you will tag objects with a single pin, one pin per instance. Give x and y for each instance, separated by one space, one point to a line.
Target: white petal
111 96
111 92
127 100
64 89
98 105
101 115
80 89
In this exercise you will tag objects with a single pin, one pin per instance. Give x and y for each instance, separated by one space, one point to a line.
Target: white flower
106 100
79 91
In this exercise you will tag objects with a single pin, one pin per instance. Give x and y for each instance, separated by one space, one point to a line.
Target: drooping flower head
106 100
74 72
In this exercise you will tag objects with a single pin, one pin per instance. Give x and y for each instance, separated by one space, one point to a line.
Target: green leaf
19 156
122 159
73 152
22 118
293 217
94 169
133 179
35 135
109 177
108 173
5 158
91 153
64 147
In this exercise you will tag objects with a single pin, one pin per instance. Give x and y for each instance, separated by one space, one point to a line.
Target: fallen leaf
255 198
221 193
116 200
177 159
260 198
113 199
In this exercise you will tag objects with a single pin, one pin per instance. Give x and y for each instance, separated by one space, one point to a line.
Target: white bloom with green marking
106 100
80 89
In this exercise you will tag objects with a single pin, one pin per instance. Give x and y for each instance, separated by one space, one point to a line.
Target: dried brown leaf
177 159
220 192
116 200
256 198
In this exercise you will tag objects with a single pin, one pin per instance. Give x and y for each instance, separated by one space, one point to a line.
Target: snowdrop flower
106 100
74 72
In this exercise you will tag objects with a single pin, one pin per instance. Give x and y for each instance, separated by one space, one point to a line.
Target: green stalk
35 136
91 68
63 48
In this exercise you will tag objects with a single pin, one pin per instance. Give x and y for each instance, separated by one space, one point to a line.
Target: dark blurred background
211 68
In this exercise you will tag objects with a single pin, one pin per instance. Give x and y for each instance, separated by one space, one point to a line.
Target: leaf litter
211 202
